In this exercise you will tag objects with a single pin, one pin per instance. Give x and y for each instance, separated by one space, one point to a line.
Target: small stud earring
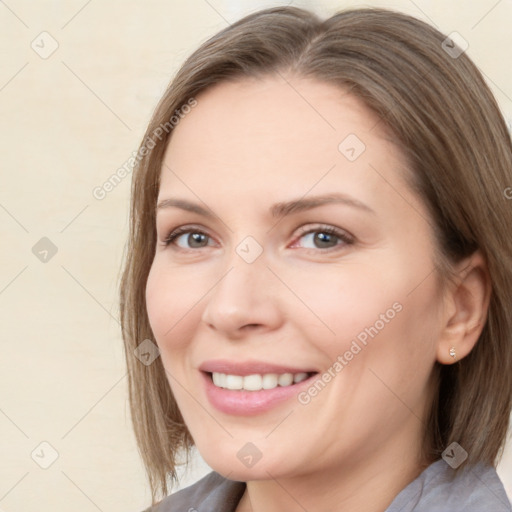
452 352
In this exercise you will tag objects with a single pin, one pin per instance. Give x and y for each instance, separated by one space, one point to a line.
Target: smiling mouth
257 382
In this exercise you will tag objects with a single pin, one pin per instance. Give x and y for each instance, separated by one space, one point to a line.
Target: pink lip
249 403
248 367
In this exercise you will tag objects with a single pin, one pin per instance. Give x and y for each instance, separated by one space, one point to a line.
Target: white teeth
252 382
256 382
299 377
234 382
270 381
285 379
216 377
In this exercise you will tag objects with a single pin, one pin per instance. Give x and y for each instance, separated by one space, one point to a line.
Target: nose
246 298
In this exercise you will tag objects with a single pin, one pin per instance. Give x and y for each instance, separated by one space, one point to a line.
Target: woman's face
269 279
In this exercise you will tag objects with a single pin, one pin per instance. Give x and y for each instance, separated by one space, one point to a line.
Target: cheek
380 306
344 300
172 303
401 341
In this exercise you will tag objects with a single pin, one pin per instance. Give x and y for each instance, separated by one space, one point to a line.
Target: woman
319 249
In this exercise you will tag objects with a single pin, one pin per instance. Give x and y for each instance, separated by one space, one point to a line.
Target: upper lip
244 368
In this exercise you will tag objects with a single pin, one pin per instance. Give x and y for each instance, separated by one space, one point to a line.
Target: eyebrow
278 210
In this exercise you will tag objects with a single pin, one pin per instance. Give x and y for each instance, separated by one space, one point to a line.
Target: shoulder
439 489
213 493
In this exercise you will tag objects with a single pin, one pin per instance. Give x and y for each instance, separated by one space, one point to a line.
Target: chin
239 466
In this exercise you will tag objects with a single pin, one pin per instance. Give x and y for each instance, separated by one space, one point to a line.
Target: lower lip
248 403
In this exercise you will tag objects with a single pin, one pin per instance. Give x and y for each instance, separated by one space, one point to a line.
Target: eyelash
342 235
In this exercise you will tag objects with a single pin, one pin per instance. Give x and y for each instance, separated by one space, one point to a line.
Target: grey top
476 489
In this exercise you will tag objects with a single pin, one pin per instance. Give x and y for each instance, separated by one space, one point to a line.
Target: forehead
274 133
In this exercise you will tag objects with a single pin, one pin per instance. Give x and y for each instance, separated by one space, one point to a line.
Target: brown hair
449 127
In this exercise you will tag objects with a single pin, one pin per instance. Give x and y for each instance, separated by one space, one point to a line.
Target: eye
322 237
195 237
325 237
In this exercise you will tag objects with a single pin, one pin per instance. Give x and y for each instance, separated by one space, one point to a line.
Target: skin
245 146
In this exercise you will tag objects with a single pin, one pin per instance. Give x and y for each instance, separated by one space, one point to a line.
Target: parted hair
448 125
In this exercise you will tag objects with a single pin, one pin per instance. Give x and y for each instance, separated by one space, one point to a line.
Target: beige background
69 121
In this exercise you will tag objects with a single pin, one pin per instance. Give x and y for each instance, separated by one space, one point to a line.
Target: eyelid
308 228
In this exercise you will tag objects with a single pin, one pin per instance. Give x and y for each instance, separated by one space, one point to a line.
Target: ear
465 309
